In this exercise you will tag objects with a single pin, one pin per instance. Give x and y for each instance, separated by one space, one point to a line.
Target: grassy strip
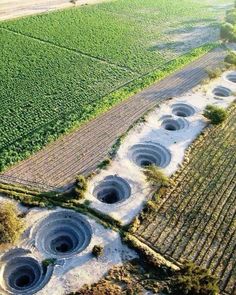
12 154
51 200
152 257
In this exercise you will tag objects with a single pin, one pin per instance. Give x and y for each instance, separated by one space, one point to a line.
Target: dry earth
17 8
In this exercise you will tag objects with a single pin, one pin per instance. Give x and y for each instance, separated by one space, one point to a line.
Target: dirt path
16 8
81 151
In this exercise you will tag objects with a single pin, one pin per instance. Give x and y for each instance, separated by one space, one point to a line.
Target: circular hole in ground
24 275
174 124
112 189
182 110
23 281
63 234
62 244
222 91
231 77
148 153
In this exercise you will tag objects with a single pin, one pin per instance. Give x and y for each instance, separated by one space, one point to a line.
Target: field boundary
75 51
81 141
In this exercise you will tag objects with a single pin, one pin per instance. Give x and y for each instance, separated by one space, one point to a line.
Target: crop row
195 219
61 69
122 32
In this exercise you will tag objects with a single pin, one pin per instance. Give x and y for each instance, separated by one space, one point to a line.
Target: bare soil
16 8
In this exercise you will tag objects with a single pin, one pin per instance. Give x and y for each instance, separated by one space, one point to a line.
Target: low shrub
215 114
231 58
231 16
11 226
80 186
228 32
214 73
193 280
97 250
104 164
156 176
48 261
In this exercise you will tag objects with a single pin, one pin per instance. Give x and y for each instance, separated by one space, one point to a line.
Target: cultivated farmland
195 218
58 70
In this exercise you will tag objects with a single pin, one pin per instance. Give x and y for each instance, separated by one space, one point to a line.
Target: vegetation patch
215 114
11 226
155 176
231 58
57 78
193 280
97 250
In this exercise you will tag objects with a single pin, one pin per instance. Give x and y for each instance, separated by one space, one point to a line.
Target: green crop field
60 69
194 219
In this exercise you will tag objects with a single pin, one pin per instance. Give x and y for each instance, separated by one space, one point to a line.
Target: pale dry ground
16 8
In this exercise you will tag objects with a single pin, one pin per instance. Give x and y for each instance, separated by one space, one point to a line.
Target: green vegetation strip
61 69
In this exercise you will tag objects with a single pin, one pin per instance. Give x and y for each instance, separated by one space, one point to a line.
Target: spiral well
171 124
222 91
231 77
63 234
112 189
182 110
145 154
25 275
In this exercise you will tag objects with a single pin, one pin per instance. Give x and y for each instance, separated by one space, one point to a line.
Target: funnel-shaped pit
182 110
149 153
232 77
222 91
63 234
112 189
171 124
25 275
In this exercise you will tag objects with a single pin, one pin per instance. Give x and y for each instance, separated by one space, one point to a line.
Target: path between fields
82 150
17 8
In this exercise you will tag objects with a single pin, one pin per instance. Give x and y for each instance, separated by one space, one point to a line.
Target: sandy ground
152 131
16 8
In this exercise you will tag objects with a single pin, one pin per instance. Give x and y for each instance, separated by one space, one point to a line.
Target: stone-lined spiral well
183 110
63 234
221 91
149 153
172 124
112 189
231 77
24 275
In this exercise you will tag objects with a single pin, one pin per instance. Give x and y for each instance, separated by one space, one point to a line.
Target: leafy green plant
215 114
97 250
11 226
